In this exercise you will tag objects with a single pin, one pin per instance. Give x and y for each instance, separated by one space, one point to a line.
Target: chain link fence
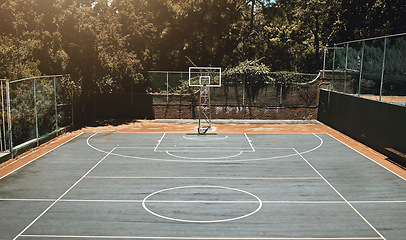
32 110
372 68
281 95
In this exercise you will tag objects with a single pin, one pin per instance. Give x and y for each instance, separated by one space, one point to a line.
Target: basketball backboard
204 76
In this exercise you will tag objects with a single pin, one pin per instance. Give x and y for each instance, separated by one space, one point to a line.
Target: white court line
41 155
250 142
159 142
367 156
175 201
203 139
199 238
377 201
223 178
145 200
204 158
133 147
203 201
66 192
222 149
339 194
199 149
206 161
27 199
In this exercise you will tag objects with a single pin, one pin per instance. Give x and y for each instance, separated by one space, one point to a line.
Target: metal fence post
10 129
324 60
167 88
243 89
360 71
73 111
36 113
56 108
334 60
383 69
346 67
3 143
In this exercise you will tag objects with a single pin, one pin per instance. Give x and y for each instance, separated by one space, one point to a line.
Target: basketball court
175 185
192 180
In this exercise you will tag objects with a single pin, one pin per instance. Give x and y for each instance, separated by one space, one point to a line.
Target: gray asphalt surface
225 186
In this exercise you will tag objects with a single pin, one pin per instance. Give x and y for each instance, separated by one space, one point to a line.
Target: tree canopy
105 44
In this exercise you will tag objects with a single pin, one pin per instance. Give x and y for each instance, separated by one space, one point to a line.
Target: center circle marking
145 200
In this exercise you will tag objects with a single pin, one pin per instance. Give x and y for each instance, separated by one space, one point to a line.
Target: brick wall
164 111
229 102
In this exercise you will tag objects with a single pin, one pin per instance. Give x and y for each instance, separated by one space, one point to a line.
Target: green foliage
105 44
252 74
396 60
16 59
22 112
284 77
72 88
252 70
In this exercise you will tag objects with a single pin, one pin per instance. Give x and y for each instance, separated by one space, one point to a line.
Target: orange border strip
14 164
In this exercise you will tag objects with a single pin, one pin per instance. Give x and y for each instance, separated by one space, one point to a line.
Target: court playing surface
183 186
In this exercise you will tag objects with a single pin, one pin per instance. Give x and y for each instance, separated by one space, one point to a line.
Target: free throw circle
256 200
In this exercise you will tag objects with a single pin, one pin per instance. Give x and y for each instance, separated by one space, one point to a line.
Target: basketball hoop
205 78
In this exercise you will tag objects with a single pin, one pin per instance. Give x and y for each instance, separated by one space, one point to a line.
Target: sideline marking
342 197
250 142
38 156
205 221
364 154
159 142
66 192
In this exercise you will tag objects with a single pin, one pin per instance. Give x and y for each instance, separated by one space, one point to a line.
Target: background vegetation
105 44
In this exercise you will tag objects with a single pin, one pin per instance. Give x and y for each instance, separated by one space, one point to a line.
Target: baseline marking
196 238
66 192
342 197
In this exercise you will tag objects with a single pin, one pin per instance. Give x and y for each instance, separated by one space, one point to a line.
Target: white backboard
208 76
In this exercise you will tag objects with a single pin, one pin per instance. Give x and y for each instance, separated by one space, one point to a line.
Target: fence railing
275 95
32 109
302 90
372 68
